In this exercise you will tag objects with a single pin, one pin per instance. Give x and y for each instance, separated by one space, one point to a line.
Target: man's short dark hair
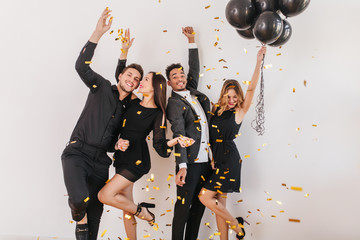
135 66
171 67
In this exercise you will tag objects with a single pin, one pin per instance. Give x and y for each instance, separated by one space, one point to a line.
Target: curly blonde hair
223 99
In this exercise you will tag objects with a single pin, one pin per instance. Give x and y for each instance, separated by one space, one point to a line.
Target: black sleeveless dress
223 130
138 122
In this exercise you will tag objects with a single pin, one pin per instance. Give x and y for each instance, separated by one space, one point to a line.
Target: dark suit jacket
183 118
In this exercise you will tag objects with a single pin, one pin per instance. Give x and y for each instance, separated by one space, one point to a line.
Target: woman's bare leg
118 193
209 199
220 222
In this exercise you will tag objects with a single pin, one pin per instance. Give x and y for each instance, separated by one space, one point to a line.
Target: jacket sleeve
159 137
194 69
119 68
91 79
175 115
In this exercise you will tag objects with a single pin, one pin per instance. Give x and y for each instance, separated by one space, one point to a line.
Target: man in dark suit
188 111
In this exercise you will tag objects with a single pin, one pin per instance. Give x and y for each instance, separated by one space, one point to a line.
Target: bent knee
104 197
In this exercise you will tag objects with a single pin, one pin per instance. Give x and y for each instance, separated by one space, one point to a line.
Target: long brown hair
223 99
159 85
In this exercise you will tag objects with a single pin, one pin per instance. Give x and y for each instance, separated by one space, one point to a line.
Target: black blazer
183 118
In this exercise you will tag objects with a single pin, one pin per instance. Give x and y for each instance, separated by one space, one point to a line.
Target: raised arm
194 64
82 66
251 89
126 43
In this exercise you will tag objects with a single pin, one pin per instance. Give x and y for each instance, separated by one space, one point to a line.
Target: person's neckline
146 107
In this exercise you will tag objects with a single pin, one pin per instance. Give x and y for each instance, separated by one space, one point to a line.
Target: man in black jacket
84 160
188 111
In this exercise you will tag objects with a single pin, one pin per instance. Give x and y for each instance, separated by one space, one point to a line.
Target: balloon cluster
260 19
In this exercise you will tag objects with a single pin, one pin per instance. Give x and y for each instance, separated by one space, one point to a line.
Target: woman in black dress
224 126
132 158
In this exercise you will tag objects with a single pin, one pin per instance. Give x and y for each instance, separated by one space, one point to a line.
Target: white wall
42 97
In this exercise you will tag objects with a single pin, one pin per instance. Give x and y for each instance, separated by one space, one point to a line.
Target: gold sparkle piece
88 62
138 162
124 122
294 220
107 181
72 142
246 156
219 140
314 125
177 154
138 112
164 30
147 236
279 54
162 126
306 195
112 31
268 199
208 86
245 50
183 201
103 233
127 216
158 73
296 188
86 199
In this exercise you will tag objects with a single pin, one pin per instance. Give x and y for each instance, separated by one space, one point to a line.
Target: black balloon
248 33
292 8
240 13
268 27
285 35
266 5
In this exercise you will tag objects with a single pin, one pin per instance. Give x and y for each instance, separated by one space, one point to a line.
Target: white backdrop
42 97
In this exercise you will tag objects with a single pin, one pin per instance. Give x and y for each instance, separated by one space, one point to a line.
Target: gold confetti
103 233
219 140
240 200
169 177
164 30
127 216
107 181
222 60
282 211
162 126
147 236
158 73
138 162
160 83
264 145
148 137
167 52
314 125
71 221
152 177
246 82
273 216
268 199
305 83
88 62
280 69
283 184
86 199
245 50
202 177
183 201
169 150
279 54
298 129
72 142
294 220
111 18
246 156
138 112
296 188
124 123
208 86
156 188
232 180
180 68
293 90
268 66
306 195
198 129
215 44
207 7
177 154
107 9
111 31
94 86
147 188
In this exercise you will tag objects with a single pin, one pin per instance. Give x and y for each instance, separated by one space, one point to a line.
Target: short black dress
138 122
223 131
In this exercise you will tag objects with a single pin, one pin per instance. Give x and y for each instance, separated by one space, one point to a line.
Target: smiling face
146 85
232 98
129 80
177 79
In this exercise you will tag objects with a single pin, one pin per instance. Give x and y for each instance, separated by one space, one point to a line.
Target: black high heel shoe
240 220
147 206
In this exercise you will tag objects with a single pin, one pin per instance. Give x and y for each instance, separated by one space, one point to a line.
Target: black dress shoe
240 220
82 232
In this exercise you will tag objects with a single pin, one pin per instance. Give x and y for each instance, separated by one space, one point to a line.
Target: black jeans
86 169
190 210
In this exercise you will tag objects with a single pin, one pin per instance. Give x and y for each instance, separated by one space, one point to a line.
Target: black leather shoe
82 232
147 206
240 220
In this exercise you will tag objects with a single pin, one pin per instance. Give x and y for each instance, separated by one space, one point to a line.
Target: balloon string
258 122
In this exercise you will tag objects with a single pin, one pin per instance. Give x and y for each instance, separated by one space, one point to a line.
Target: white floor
5 237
